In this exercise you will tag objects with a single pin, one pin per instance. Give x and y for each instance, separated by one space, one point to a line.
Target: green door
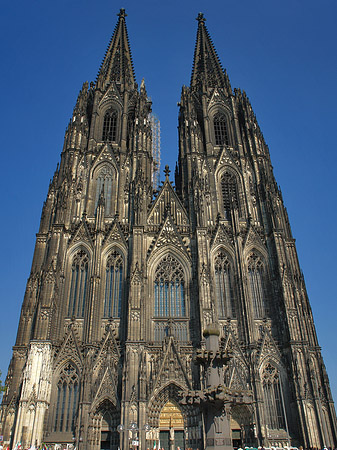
179 440
164 437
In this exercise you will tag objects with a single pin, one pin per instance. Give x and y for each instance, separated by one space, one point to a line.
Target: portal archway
171 425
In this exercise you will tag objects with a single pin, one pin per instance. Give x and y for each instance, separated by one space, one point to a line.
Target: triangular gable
169 235
81 234
163 202
217 98
268 348
106 155
109 351
253 239
226 159
107 388
232 345
69 350
222 237
111 94
171 368
114 234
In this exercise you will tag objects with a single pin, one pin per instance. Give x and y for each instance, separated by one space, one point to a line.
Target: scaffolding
155 126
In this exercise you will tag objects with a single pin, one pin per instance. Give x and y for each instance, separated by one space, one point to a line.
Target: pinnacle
207 69
117 64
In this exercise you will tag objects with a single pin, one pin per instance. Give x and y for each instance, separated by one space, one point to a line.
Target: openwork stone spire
117 65
207 67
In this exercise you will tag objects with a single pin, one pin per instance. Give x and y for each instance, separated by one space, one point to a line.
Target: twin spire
117 64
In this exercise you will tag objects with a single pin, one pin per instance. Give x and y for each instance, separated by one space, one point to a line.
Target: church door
171 425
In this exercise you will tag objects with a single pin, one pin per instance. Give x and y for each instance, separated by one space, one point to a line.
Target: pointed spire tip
122 14
201 18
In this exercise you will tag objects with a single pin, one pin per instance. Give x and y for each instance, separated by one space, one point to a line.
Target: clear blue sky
283 54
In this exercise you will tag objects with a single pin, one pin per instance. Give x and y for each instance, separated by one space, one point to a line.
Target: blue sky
283 54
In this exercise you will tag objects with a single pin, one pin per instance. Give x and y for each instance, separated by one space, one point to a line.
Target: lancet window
256 279
113 285
78 284
273 397
169 288
230 193
220 129
104 186
110 126
66 399
224 285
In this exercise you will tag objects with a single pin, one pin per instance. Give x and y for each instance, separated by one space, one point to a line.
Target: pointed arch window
169 288
256 279
272 391
230 193
104 185
110 126
113 285
66 399
78 284
224 285
220 129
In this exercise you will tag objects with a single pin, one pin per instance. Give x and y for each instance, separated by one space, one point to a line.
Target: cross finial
167 171
122 14
201 19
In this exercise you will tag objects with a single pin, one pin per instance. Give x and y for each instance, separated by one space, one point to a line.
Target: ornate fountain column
215 398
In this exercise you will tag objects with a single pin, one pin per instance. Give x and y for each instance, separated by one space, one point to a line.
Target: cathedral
172 315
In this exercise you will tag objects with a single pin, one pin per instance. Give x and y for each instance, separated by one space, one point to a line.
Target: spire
117 64
206 64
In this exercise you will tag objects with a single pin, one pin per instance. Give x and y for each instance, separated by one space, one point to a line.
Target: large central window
169 289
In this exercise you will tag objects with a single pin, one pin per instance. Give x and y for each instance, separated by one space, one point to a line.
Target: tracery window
67 399
272 390
78 284
224 286
113 285
104 184
220 129
110 126
230 194
169 289
256 281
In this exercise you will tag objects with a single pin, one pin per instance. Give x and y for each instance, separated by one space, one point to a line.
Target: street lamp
134 429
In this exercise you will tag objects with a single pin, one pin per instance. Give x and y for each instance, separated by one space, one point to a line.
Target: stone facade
125 280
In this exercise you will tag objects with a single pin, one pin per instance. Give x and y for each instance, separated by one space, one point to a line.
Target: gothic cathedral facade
126 278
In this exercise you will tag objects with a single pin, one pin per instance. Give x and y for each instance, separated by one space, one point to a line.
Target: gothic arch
77 281
105 176
230 187
107 106
221 127
103 421
170 391
113 274
169 293
65 397
222 264
273 383
257 276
